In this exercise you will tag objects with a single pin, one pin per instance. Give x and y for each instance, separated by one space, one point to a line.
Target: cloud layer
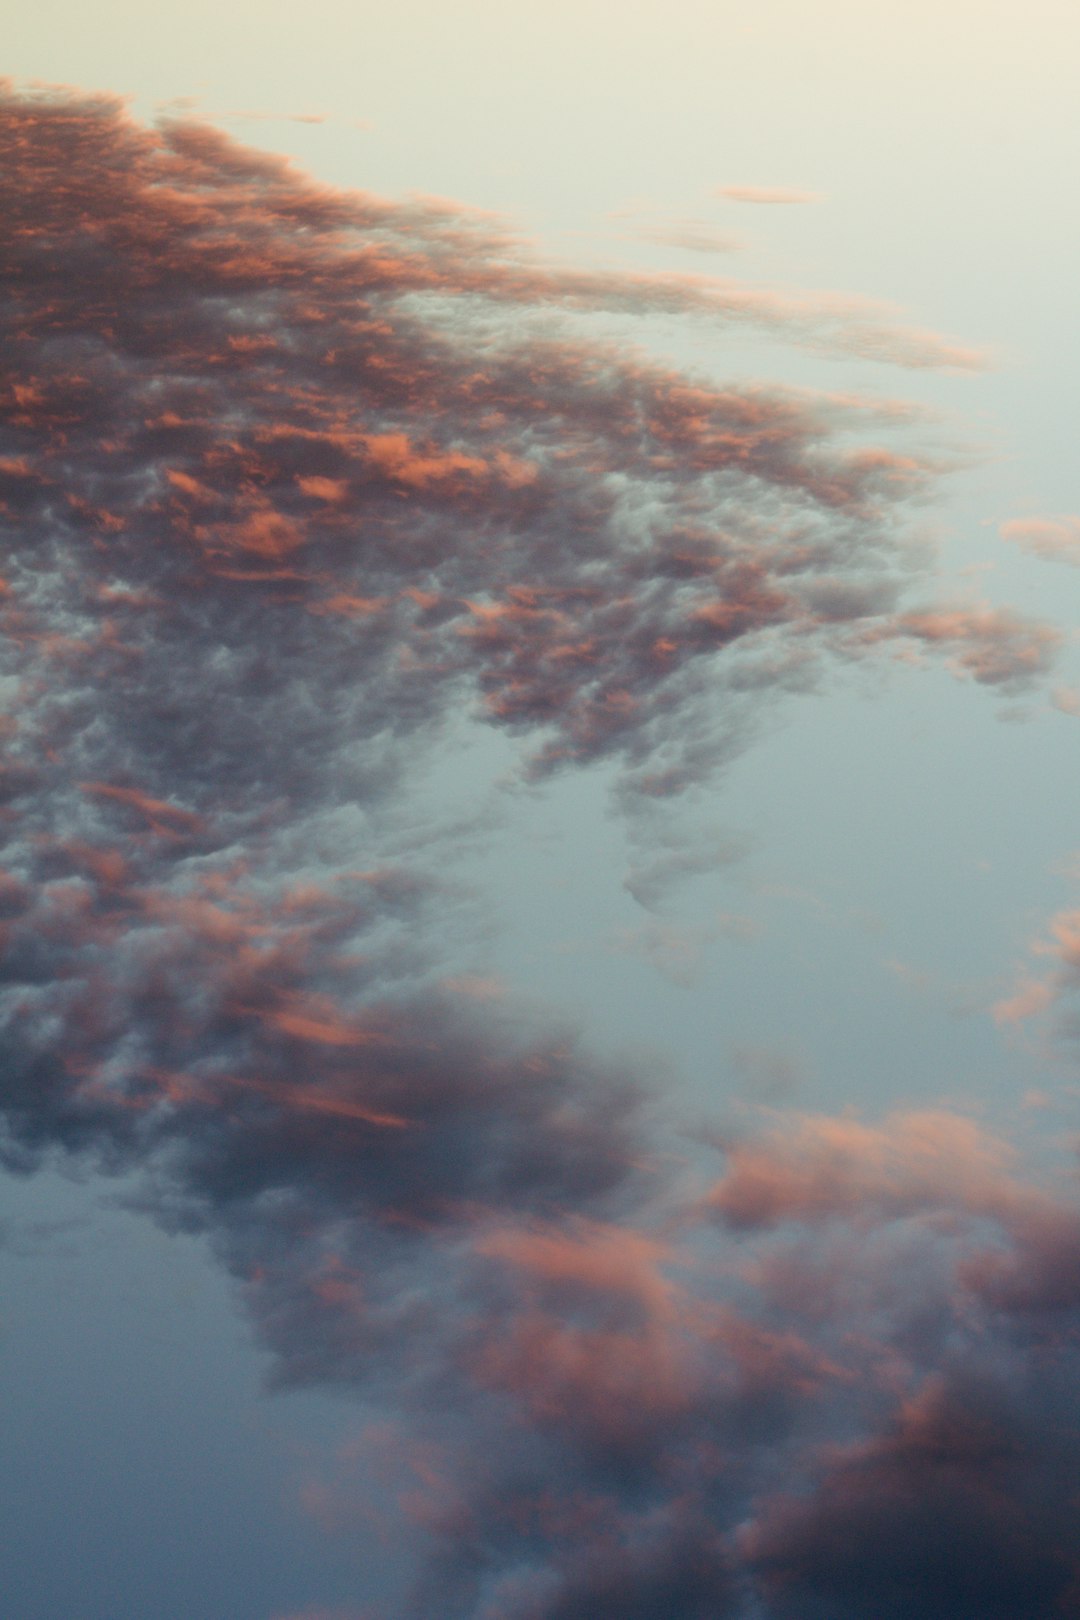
289 478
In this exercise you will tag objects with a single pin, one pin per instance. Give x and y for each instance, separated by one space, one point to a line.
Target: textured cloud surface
289 478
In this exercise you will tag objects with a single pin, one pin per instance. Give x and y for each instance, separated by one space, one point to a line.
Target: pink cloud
593 1256
1031 995
816 1168
994 646
1057 539
768 194
1027 1000
1066 699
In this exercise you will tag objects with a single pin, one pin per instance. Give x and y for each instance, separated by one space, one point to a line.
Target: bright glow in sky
540 893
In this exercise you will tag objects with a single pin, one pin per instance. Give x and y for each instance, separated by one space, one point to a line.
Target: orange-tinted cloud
775 195
1032 995
994 646
158 812
1055 538
592 1256
821 1168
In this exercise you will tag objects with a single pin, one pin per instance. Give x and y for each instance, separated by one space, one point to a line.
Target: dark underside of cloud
290 478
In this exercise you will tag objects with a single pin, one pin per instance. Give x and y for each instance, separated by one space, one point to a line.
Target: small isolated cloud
1057 539
781 195
1067 699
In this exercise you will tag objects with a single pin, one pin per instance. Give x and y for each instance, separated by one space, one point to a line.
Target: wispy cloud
1066 699
692 236
688 233
995 646
249 116
768 195
1057 951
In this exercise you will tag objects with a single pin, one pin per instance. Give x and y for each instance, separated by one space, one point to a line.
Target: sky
540 890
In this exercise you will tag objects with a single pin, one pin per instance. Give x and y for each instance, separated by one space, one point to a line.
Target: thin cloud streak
776 196
690 235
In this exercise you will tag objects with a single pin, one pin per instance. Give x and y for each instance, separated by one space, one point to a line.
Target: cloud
889 1410
952 1511
991 645
1066 699
1029 998
653 875
651 1567
692 236
1033 995
292 480
687 232
768 194
287 484
953 1501
1056 539
829 1167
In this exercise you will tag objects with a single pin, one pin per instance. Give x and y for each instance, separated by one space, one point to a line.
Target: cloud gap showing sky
290 478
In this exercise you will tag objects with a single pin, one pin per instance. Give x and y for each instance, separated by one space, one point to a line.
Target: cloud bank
289 478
